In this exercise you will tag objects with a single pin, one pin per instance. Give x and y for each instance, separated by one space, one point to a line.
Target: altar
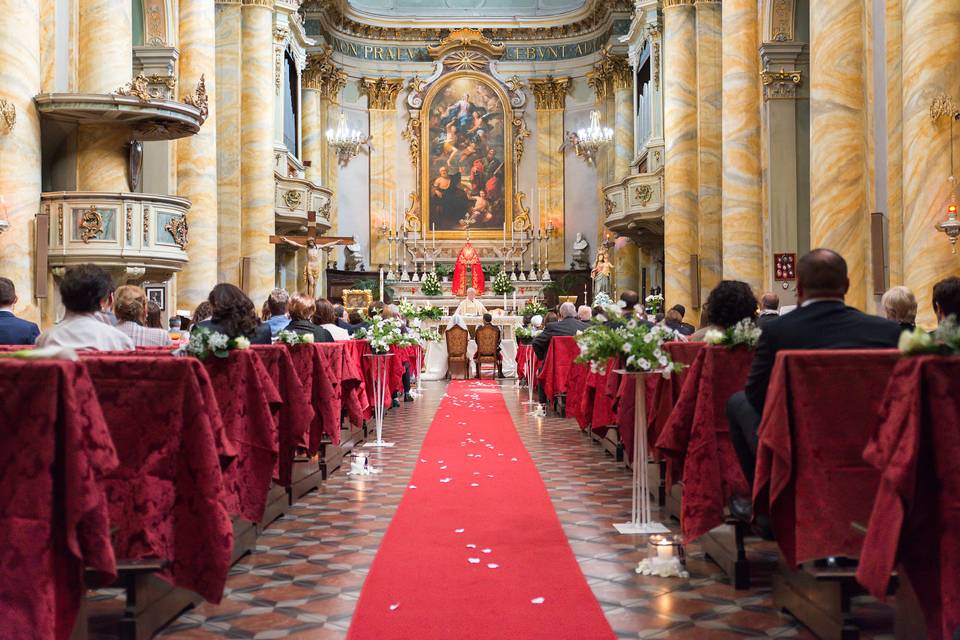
435 358
523 292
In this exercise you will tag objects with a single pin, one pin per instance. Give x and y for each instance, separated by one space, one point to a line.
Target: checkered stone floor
305 577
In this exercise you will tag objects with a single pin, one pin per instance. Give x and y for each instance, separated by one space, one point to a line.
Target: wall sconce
586 142
943 105
8 115
4 218
345 141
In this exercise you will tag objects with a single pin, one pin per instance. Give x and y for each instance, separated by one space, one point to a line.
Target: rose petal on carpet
476 550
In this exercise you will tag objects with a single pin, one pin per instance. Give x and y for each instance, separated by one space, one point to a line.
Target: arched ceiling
480 9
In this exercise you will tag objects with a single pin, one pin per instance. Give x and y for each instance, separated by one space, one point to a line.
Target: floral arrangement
430 285
430 312
293 338
639 345
524 335
602 299
502 284
743 334
944 341
428 335
204 342
534 308
407 309
654 303
382 333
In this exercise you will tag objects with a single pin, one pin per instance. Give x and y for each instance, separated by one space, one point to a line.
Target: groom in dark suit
821 321
13 330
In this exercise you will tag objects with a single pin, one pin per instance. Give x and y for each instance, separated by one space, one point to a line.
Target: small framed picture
157 295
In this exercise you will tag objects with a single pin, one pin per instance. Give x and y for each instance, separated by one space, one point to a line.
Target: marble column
681 184
20 79
322 82
709 125
742 196
623 121
313 133
930 32
550 95
839 218
228 82
893 26
197 155
385 201
256 141
104 63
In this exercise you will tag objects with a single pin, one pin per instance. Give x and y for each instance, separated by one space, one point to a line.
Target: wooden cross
321 241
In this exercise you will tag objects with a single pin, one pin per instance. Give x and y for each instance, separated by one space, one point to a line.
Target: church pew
554 375
812 481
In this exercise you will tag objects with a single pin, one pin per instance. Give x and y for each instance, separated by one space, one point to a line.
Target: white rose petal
493 565
537 600
473 560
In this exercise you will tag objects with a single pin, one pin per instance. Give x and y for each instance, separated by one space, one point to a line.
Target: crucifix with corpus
315 246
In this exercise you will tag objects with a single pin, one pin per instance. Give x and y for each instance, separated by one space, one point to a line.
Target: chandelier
346 142
586 142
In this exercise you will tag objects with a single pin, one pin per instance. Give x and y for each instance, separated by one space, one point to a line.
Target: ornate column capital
550 92
323 75
780 85
381 92
611 72
268 4
670 4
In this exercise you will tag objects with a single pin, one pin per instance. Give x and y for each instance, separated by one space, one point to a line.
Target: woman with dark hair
550 318
204 311
730 302
326 317
302 310
153 316
234 315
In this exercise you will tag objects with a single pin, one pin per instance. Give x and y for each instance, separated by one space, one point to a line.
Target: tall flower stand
529 361
381 369
417 393
641 520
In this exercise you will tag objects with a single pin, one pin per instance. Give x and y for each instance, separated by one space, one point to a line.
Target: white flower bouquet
430 285
293 338
638 346
944 341
204 342
382 334
654 303
501 283
743 334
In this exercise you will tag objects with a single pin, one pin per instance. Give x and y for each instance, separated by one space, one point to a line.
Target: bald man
471 306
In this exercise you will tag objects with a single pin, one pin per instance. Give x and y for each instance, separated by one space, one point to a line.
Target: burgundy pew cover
55 450
555 373
916 515
696 438
624 405
666 391
361 348
522 351
596 406
247 399
576 388
296 414
821 408
354 384
167 498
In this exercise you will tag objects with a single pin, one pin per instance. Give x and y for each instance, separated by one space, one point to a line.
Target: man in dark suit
821 321
13 330
769 309
343 320
685 328
946 299
567 325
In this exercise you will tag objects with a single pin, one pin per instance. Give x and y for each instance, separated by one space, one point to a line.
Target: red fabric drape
916 514
821 408
576 389
468 272
696 438
666 391
555 373
55 452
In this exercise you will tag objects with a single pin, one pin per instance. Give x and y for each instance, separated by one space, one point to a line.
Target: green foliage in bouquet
743 334
430 312
534 308
502 284
944 341
430 285
382 333
524 335
639 347
204 343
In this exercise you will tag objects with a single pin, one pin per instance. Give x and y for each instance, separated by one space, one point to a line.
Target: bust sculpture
353 257
581 253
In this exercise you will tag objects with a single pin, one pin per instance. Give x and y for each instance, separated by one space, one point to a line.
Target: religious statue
468 271
602 270
581 253
353 257
312 269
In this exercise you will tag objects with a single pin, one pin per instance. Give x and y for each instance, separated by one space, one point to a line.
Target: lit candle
381 284
434 229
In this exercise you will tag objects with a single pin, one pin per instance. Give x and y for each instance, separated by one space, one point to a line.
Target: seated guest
685 328
343 319
277 308
234 315
303 311
900 305
946 299
730 302
356 320
550 318
567 325
673 320
204 311
390 311
130 307
584 313
14 330
769 309
822 321
86 291
153 316
326 317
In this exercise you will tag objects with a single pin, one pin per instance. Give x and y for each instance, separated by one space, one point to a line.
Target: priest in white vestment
471 306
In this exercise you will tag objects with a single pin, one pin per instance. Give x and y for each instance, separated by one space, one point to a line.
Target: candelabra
345 141
586 142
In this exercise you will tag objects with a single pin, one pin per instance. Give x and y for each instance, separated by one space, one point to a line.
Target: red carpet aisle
475 549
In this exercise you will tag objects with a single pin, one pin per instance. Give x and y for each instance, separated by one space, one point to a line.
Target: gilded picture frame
456 212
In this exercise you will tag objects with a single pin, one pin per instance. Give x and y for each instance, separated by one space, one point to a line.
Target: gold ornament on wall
411 133
520 133
381 92
550 93
521 216
411 215
780 85
138 88
91 224
199 98
177 227
609 73
944 105
293 199
643 194
8 115
323 75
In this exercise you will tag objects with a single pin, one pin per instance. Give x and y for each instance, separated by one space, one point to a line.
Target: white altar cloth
435 360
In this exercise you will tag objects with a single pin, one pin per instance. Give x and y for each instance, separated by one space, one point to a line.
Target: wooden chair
457 340
488 349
